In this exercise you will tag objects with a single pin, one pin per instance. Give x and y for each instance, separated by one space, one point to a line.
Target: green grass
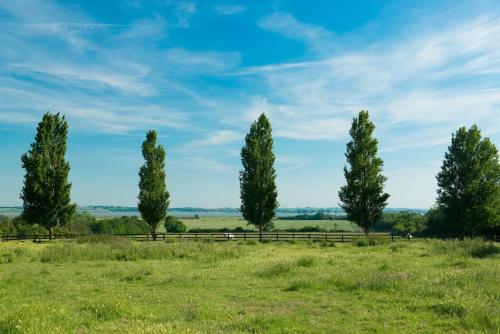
233 222
120 286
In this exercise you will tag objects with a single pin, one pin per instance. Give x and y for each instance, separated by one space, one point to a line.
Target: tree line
468 196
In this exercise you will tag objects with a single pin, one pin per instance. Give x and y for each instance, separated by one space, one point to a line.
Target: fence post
276 236
342 235
309 235
392 237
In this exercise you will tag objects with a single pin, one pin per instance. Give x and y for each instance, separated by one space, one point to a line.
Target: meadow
232 222
106 284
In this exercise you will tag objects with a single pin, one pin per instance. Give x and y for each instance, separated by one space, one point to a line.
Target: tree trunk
153 233
260 233
51 235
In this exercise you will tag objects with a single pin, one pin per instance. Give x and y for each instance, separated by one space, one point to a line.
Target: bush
174 225
80 223
361 242
6 226
120 225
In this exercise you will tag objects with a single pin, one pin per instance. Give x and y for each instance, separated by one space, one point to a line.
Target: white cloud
318 38
228 9
437 77
201 61
184 11
215 138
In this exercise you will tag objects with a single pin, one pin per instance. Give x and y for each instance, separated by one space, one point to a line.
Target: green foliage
469 184
153 194
257 179
174 225
6 226
401 223
81 223
363 197
120 225
46 190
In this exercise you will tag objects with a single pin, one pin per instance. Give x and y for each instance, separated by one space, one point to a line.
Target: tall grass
120 249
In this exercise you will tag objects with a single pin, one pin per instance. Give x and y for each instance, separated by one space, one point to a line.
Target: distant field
233 222
120 286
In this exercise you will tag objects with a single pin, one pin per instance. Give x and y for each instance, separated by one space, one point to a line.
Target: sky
200 72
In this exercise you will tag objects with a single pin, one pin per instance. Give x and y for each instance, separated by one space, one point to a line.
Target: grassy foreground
189 287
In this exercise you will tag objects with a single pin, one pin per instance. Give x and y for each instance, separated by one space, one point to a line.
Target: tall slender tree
363 197
469 184
46 190
257 178
153 194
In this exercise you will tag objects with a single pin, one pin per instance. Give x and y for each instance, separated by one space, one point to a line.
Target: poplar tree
363 197
469 184
153 194
46 190
257 178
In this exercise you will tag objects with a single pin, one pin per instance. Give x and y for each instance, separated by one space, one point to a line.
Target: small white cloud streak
316 37
228 9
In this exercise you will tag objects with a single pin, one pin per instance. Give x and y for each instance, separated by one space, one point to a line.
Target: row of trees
468 201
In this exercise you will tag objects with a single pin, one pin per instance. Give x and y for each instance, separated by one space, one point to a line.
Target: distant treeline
317 216
79 224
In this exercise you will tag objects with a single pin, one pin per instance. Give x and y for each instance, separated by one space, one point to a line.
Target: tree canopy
153 194
46 190
363 197
257 178
469 184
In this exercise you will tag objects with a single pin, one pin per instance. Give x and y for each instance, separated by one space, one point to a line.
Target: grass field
233 222
121 286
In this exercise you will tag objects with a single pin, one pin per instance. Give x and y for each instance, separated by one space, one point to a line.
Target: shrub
80 223
125 225
6 226
174 225
361 242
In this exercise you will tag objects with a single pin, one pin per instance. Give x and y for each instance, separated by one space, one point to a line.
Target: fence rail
218 236
228 236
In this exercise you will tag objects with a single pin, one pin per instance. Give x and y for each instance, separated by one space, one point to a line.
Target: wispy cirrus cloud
316 37
440 77
228 9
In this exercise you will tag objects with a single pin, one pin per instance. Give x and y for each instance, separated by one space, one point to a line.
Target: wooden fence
229 236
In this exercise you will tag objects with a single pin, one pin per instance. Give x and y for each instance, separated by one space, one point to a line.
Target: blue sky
201 71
